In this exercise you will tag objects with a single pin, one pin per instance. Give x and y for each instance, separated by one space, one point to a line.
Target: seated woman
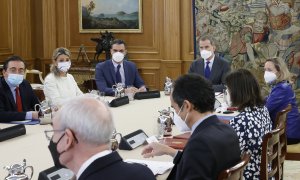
253 122
59 85
282 94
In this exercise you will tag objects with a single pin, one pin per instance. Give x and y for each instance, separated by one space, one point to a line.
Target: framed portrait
119 16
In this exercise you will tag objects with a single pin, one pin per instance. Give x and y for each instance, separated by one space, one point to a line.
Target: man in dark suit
118 70
80 140
212 67
213 145
17 98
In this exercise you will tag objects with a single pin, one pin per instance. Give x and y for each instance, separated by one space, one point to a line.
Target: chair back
235 172
34 71
270 156
280 123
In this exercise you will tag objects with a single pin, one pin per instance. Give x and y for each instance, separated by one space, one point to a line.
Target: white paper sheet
157 167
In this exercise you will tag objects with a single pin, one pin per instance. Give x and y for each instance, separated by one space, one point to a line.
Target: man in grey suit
212 67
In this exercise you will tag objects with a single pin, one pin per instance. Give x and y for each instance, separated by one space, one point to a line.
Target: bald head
88 117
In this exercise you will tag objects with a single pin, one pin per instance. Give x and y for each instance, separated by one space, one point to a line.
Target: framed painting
119 16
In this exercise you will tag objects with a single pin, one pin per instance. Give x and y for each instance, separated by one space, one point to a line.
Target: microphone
11 132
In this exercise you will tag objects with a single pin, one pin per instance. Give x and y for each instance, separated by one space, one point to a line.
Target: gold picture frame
118 16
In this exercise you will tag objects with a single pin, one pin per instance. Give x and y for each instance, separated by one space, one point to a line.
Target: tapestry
247 32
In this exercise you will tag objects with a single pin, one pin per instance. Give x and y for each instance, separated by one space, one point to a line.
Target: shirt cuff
28 116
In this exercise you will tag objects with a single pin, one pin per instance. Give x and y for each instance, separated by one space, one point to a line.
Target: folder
174 143
185 135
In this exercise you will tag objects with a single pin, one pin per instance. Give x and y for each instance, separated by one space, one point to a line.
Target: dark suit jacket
112 167
213 147
218 72
8 107
106 76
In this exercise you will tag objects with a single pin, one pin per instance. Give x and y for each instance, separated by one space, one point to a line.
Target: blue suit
8 107
219 70
106 76
280 96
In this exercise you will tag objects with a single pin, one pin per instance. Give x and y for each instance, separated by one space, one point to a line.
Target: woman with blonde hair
282 94
59 85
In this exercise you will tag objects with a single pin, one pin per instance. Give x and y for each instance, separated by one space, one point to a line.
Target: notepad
157 167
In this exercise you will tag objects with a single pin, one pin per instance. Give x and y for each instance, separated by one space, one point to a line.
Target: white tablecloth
138 114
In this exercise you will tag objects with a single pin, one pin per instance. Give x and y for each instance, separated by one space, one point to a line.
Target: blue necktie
207 70
118 74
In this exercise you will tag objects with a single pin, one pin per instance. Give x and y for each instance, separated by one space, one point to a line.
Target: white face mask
228 99
205 54
64 66
15 79
270 77
179 123
118 57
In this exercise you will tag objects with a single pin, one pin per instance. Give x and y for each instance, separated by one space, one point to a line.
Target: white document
151 139
157 167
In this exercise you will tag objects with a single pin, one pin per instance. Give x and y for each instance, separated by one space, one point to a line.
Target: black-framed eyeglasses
49 133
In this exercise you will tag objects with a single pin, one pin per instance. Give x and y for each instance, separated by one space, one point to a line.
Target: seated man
211 67
118 70
213 145
82 129
17 98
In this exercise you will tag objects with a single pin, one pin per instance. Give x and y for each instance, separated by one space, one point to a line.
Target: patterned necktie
118 74
18 100
207 70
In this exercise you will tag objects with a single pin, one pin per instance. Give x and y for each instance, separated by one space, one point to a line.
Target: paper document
157 167
26 122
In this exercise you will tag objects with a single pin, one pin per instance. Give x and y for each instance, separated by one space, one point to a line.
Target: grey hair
89 118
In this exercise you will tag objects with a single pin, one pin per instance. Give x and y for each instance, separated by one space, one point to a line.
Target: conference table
138 114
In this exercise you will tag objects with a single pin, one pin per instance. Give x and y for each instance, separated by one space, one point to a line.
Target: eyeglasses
49 133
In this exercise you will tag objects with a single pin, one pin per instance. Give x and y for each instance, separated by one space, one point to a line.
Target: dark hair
244 89
118 41
197 90
12 58
204 38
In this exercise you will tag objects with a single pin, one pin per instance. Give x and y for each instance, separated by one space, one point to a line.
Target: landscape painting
111 15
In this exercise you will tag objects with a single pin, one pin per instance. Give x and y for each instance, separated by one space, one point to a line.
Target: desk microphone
11 132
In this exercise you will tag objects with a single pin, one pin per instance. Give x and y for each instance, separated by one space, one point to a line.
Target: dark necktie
118 74
18 100
207 70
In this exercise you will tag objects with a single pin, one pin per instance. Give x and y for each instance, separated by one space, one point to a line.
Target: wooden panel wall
16 35
36 28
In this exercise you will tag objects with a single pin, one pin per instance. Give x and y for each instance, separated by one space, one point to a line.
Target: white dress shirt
90 161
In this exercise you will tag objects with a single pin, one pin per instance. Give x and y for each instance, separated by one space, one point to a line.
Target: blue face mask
15 79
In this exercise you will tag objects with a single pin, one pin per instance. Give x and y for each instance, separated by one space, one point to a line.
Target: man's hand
157 149
35 114
142 89
131 89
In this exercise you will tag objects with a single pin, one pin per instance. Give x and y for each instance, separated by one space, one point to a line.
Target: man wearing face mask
80 141
118 70
212 67
213 145
17 98
59 85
